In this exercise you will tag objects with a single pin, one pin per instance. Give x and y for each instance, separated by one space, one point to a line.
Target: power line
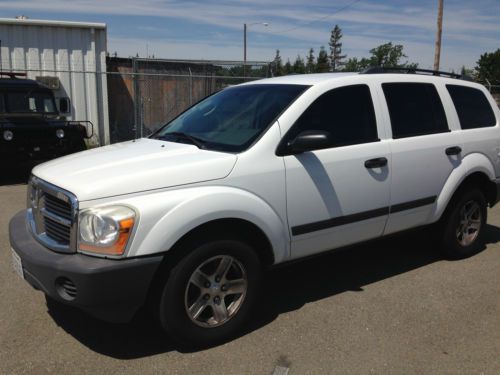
319 19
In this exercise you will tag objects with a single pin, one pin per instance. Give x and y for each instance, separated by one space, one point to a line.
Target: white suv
255 175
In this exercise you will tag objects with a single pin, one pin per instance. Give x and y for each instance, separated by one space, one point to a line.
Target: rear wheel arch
477 180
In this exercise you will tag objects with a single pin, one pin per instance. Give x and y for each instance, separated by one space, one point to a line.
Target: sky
213 30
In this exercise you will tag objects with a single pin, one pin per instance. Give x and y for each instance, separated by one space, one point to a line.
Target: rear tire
210 292
463 226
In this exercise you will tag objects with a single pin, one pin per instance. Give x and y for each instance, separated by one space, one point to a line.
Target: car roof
359 78
303 79
21 83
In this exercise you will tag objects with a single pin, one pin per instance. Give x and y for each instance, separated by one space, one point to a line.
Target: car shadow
15 173
287 288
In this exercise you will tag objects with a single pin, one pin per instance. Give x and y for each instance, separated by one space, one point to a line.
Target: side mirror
64 106
308 141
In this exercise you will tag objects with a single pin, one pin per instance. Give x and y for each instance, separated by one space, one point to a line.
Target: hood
129 167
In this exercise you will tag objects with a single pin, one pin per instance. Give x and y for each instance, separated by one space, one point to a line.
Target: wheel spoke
475 224
236 286
199 279
208 308
197 307
220 311
223 267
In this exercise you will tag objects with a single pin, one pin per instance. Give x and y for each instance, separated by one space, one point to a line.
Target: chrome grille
57 231
52 215
57 206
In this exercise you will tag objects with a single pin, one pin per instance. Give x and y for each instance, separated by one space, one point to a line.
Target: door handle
376 163
455 150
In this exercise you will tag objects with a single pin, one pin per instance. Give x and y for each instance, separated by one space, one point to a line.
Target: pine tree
278 64
288 67
336 56
310 65
298 66
323 64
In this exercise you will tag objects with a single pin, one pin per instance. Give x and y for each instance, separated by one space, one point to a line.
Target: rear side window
415 109
346 113
474 110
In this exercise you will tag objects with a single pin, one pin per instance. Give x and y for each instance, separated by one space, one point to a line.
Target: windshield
28 102
232 119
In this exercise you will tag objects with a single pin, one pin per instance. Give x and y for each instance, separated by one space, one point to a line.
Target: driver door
337 195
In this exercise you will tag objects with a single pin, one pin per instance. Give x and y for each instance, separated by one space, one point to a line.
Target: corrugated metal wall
73 51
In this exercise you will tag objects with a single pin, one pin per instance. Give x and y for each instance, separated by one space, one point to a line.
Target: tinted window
415 109
474 110
232 119
346 113
30 102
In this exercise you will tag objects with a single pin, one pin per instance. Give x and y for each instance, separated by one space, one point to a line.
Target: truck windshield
232 119
28 102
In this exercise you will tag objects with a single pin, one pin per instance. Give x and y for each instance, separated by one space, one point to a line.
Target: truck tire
463 227
210 292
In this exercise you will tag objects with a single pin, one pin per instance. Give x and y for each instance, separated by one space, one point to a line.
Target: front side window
415 109
346 113
30 102
232 119
473 109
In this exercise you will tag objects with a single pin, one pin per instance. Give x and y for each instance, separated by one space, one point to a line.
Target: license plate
17 264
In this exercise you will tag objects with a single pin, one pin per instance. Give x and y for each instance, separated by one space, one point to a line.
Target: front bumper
111 290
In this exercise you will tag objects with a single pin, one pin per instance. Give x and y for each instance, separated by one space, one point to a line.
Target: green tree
467 72
310 64
356 65
299 66
323 63
388 55
288 69
335 44
277 64
488 67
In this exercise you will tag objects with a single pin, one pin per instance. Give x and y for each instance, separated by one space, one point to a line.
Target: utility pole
244 49
437 53
245 27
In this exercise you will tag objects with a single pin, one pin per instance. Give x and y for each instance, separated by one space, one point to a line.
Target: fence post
190 87
137 100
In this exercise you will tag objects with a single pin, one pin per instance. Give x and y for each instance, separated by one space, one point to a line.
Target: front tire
464 225
210 292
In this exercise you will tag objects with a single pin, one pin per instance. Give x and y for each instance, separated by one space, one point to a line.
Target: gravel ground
388 307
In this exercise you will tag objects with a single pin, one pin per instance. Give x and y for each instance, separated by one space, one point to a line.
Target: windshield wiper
200 143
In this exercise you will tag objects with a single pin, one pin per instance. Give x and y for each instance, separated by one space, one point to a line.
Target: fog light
60 133
8 135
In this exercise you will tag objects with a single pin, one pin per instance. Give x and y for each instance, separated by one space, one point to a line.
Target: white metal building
75 52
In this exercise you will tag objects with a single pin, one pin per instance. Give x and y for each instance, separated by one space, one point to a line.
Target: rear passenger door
424 152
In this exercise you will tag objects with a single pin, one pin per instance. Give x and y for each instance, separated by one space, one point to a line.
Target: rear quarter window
473 108
415 109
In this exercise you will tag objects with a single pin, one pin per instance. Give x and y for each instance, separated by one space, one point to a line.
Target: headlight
8 135
105 230
60 133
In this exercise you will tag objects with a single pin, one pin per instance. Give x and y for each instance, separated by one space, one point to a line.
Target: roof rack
381 69
13 74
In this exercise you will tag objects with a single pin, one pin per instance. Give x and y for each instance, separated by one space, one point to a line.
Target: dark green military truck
32 126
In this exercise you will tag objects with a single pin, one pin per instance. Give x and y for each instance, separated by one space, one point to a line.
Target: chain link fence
136 96
144 94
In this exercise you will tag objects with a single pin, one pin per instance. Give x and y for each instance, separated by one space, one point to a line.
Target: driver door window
346 113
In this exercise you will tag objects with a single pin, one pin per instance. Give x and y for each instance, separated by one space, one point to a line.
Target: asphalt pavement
393 306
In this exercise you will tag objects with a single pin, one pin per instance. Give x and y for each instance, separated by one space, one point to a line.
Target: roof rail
382 69
13 74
